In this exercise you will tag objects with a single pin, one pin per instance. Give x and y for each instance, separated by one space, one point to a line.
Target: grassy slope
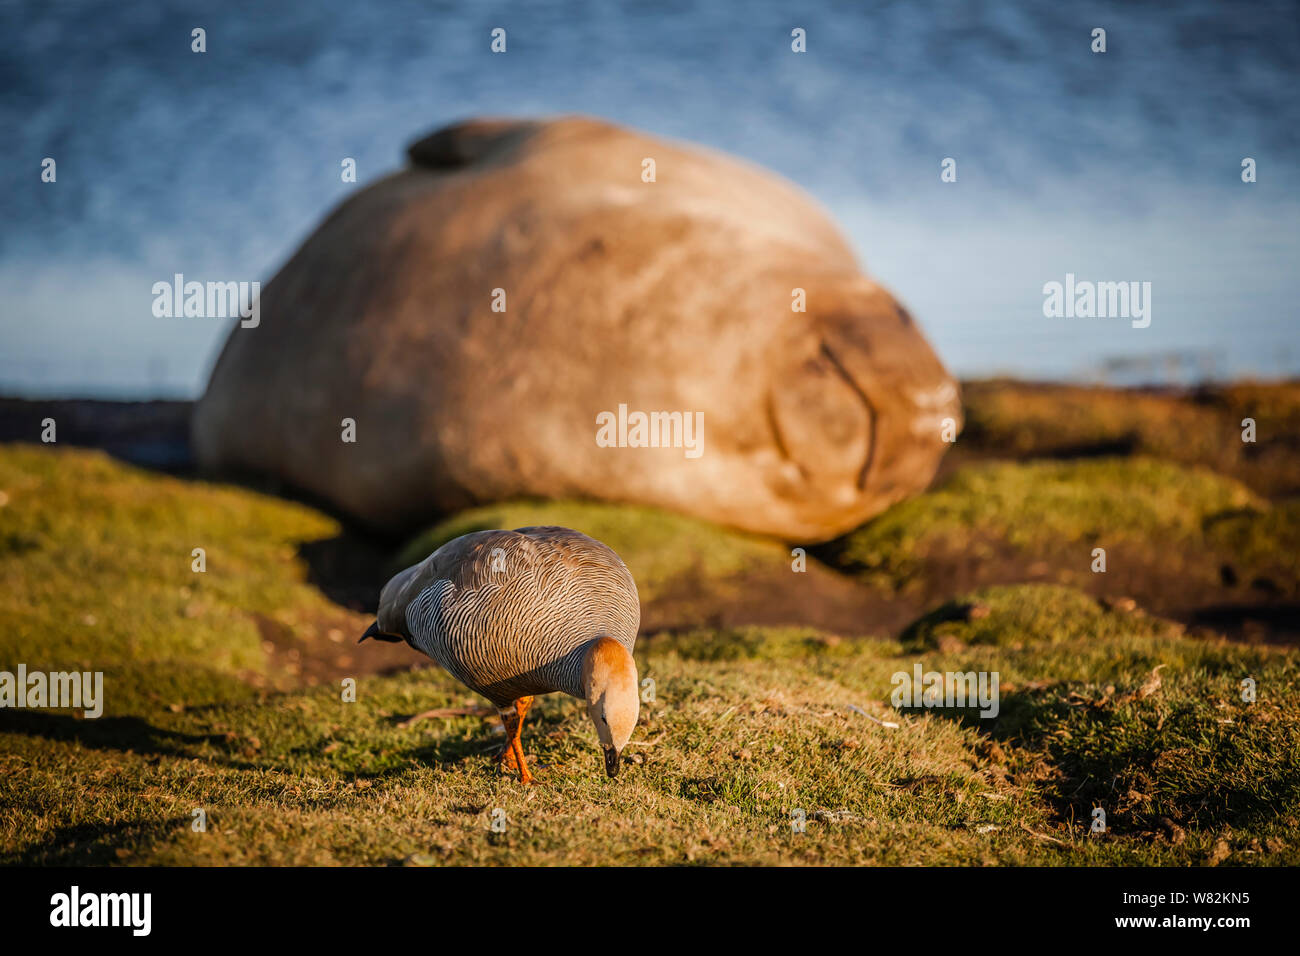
96 559
747 725
1159 523
1011 419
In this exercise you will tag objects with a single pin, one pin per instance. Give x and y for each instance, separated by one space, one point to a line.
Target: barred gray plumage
507 613
513 614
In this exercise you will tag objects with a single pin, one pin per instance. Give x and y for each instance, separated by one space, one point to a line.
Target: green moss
658 547
1186 520
1130 716
102 576
1019 419
1260 537
740 643
1027 614
1118 710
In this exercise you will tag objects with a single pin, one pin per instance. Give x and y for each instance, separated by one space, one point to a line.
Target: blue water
1122 166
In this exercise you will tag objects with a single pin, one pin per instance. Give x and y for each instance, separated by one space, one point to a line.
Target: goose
516 614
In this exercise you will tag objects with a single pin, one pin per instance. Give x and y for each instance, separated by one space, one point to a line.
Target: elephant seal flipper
467 142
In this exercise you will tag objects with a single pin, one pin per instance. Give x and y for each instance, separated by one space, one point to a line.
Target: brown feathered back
508 613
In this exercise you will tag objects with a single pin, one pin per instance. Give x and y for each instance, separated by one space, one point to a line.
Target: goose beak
611 761
374 631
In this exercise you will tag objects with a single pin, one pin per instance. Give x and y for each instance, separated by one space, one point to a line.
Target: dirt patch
1261 610
324 649
818 597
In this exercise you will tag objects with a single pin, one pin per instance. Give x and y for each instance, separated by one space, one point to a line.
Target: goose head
609 682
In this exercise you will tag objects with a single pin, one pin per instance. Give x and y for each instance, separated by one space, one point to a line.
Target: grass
748 725
1018 420
1001 617
1156 520
97 560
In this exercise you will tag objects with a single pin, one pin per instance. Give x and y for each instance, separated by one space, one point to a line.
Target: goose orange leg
512 758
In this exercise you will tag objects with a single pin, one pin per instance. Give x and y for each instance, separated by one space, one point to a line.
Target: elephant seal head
861 409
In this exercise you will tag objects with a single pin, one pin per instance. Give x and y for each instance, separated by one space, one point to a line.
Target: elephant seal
527 311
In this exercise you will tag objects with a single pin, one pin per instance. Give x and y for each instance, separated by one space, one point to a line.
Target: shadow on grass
98 844
137 736
480 749
105 733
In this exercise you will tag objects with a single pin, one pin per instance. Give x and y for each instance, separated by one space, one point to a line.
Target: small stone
1172 830
1151 684
948 644
1220 853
